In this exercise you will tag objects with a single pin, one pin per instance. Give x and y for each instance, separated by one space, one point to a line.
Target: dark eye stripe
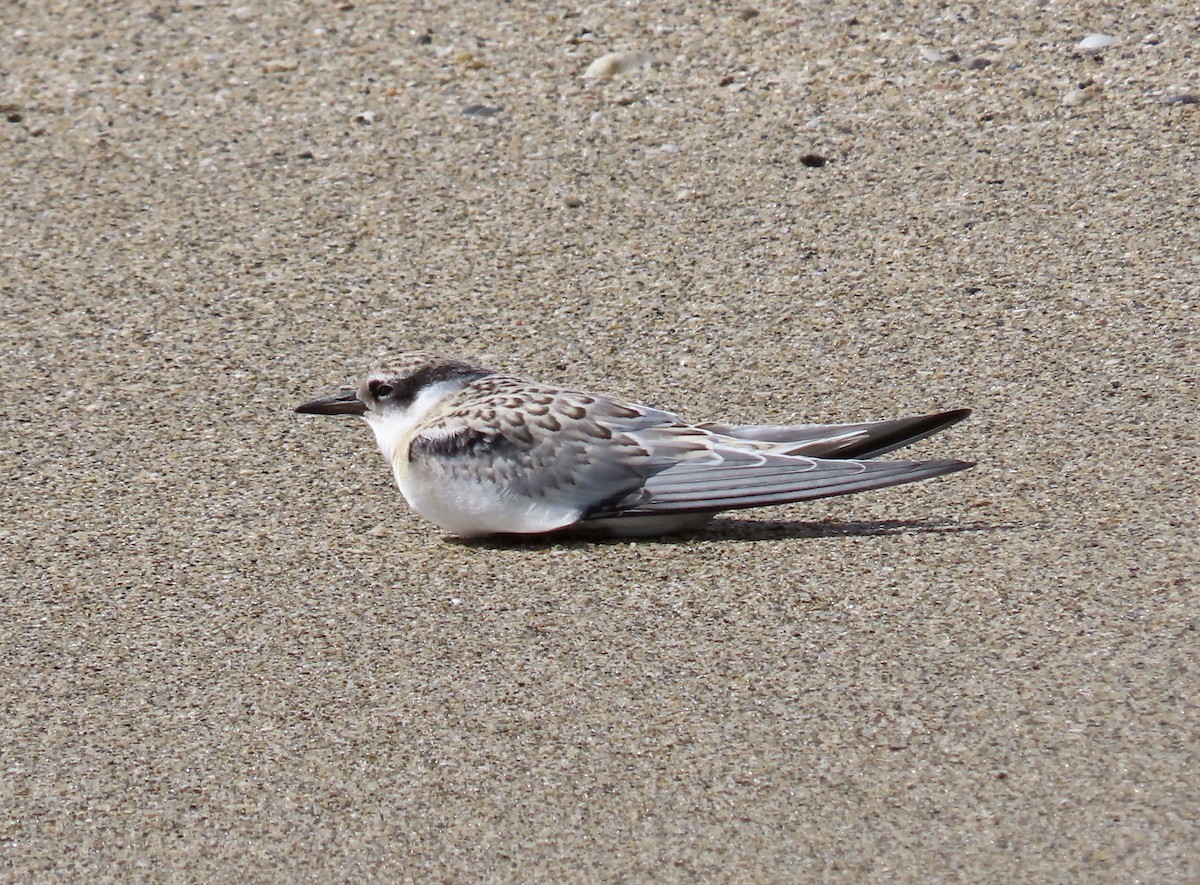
405 390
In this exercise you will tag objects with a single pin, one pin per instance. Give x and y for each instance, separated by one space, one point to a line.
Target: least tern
483 453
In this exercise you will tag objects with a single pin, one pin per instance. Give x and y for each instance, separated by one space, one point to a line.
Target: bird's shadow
738 530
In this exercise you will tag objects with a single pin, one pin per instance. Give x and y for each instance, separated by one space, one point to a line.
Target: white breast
465 505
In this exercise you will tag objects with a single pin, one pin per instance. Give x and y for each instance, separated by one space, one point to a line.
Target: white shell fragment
280 65
1094 44
608 66
1079 96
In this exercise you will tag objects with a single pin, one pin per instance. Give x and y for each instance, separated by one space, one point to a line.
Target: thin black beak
344 402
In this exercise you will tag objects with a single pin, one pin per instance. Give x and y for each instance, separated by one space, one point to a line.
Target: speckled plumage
482 453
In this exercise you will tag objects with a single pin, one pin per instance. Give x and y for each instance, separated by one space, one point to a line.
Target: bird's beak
344 402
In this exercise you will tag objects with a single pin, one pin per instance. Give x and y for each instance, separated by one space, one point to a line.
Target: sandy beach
230 653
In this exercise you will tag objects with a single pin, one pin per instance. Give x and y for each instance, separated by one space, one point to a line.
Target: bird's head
397 394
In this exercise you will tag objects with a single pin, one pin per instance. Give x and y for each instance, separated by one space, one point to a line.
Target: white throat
394 426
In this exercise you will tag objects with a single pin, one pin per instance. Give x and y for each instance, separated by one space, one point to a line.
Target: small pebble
280 65
1094 44
978 63
746 13
585 35
480 110
572 202
1182 98
813 161
365 117
931 55
608 66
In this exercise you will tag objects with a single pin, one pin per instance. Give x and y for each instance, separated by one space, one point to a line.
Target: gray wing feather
864 440
730 487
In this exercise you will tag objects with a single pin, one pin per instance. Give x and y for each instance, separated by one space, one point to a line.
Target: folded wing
734 473
865 440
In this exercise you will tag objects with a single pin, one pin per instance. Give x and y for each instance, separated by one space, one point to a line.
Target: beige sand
229 653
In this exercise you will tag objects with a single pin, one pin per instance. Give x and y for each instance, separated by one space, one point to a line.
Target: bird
482 453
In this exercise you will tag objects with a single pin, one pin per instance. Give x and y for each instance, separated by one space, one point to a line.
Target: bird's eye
381 389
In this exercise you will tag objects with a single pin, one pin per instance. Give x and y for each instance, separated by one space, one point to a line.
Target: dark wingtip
902 432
